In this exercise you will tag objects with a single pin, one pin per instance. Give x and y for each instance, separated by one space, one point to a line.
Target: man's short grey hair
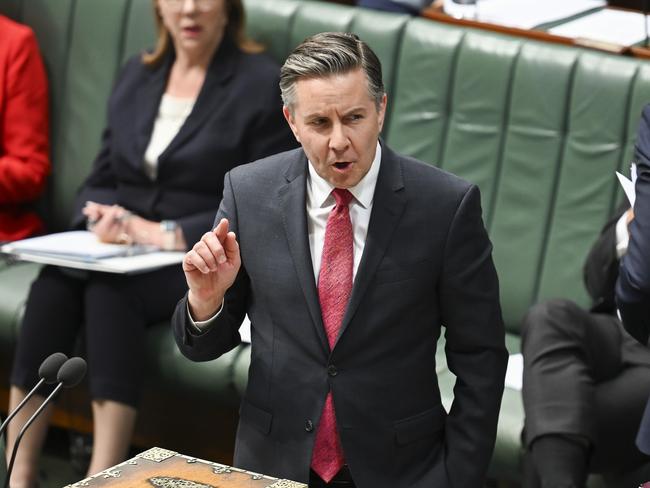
327 54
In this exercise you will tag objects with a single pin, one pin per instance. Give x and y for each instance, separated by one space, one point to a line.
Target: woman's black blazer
237 118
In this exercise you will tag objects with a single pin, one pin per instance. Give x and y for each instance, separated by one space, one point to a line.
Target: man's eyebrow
359 108
315 115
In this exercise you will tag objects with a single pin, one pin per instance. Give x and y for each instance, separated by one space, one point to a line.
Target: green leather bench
539 127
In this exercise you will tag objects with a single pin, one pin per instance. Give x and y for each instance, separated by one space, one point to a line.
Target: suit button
331 370
309 425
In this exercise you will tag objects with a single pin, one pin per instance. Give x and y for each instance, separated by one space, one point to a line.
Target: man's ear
288 116
382 111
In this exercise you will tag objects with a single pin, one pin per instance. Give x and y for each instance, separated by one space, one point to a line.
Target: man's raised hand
211 267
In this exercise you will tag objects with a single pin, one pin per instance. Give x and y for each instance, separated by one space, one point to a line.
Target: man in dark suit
348 259
633 286
586 380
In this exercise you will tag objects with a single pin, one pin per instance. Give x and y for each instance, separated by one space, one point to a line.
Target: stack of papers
526 14
82 250
612 26
628 184
81 245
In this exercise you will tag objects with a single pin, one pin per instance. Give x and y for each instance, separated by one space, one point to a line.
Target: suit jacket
237 118
426 263
600 270
24 130
633 287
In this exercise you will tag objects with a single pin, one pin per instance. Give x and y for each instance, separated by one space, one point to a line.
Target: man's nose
189 6
339 140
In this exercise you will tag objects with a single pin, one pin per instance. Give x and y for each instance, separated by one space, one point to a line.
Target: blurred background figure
633 286
179 118
412 7
24 131
586 380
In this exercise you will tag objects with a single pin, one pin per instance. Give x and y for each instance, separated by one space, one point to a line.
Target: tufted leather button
331 370
309 425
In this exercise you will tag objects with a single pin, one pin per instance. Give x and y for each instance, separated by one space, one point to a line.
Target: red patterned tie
334 288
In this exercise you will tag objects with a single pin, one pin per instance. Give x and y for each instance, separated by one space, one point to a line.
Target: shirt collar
363 191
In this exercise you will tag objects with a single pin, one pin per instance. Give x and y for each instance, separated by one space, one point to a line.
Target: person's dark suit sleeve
633 286
475 349
100 185
223 334
600 270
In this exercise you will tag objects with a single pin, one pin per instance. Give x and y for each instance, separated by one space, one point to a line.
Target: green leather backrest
84 43
541 128
269 22
283 24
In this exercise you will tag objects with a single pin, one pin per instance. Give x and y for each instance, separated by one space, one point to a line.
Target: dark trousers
110 311
584 376
343 479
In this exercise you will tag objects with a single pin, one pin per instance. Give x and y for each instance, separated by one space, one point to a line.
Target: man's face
338 125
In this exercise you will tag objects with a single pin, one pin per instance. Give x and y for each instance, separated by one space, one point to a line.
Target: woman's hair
235 30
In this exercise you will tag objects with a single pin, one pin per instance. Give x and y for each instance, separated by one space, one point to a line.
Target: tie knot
342 196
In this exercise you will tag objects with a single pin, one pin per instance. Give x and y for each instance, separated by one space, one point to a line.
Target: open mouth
192 30
342 165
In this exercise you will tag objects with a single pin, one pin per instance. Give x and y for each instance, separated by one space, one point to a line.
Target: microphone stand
3 427
48 371
22 431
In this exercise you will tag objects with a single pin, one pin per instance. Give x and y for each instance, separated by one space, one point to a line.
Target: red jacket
24 130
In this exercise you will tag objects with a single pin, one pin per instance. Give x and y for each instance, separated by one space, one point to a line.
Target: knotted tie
334 288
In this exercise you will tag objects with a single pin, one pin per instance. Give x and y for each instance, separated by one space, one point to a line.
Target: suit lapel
388 205
210 97
292 201
149 95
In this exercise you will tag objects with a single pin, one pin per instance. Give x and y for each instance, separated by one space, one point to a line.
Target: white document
612 26
526 14
80 244
245 330
82 250
628 184
515 372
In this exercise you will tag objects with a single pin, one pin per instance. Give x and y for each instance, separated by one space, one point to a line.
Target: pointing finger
231 246
221 230
215 245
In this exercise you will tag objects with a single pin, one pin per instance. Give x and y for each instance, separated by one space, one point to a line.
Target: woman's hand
108 222
115 224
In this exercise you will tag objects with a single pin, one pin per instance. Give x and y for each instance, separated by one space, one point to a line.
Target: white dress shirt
172 113
319 203
622 236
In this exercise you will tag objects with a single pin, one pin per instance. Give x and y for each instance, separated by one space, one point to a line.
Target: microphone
69 375
47 373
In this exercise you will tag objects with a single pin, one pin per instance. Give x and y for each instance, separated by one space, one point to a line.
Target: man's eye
355 117
318 122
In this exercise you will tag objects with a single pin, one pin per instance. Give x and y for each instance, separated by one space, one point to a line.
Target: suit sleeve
24 142
600 270
101 183
223 334
633 286
475 348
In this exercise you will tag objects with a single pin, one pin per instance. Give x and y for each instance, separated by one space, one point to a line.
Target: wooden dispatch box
160 468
